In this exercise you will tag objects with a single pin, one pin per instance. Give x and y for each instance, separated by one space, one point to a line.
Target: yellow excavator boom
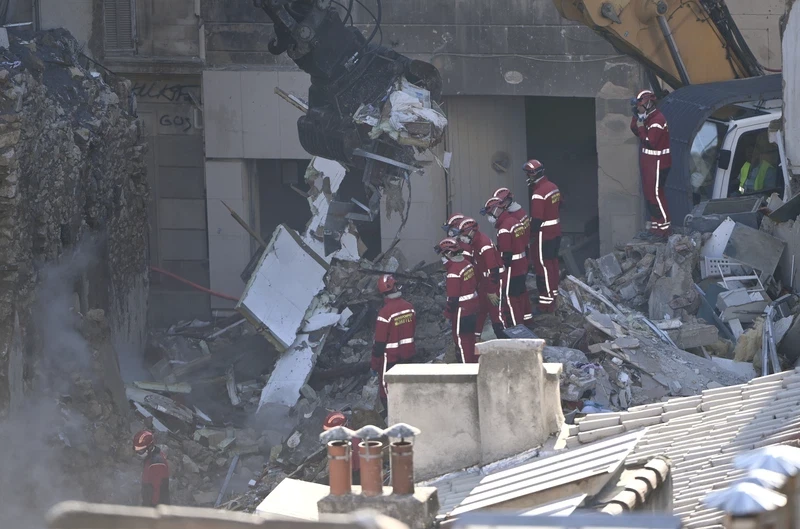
681 41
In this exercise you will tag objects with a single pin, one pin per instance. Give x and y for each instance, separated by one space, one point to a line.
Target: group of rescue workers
484 279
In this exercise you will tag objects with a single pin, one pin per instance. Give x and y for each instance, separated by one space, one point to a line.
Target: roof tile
678 413
601 421
600 433
640 423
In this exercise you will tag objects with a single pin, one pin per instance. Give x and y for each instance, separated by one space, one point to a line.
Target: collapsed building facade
205 81
74 195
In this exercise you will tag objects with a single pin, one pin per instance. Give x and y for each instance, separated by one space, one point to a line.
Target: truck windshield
703 163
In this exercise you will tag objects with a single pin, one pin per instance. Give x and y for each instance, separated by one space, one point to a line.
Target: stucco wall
496 408
791 85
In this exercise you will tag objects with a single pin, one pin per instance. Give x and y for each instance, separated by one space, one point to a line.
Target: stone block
609 267
417 511
691 335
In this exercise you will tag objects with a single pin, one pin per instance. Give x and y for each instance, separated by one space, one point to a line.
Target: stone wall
72 188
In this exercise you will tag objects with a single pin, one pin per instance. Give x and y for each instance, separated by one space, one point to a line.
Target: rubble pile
71 175
674 317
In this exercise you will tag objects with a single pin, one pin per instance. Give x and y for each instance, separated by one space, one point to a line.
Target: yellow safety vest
762 174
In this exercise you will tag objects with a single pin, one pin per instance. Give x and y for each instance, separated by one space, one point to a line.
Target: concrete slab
293 499
609 267
282 288
744 369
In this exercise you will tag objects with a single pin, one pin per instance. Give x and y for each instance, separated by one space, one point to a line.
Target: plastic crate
715 267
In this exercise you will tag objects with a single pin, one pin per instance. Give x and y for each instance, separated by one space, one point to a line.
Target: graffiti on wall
166 92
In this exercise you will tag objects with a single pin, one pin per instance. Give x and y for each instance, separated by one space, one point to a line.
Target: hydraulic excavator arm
682 41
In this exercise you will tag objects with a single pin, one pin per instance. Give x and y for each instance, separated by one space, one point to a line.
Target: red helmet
143 440
467 226
448 247
505 195
334 419
646 98
492 206
451 227
534 170
386 283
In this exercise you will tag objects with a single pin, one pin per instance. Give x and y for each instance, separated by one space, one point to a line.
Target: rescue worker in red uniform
489 268
515 209
451 229
512 243
545 234
155 473
650 126
394 332
462 298
337 418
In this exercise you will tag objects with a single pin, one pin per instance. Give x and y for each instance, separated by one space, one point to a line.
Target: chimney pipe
371 456
402 467
339 468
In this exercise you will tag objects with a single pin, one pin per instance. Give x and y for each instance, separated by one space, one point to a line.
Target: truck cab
732 154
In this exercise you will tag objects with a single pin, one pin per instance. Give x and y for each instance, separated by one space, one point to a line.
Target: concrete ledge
417 511
432 373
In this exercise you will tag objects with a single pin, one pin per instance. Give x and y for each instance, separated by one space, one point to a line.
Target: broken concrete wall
791 84
71 176
619 196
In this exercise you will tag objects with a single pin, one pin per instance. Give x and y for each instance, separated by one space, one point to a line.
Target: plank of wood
180 387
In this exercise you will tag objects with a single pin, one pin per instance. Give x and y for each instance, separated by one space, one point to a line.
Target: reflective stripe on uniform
487 247
489 272
655 153
517 256
550 223
458 336
468 297
395 345
658 200
655 126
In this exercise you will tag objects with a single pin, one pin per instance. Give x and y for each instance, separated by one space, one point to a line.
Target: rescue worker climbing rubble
155 471
462 298
545 234
451 229
512 243
394 332
650 126
489 268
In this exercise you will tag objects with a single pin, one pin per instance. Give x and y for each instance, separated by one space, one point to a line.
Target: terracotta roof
702 434
473 490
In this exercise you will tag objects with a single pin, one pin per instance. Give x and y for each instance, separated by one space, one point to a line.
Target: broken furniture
707 216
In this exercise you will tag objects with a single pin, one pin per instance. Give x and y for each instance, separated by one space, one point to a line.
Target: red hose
193 285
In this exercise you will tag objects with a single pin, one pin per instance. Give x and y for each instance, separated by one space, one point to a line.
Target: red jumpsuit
462 307
394 337
489 267
466 251
545 241
155 480
512 243
655 161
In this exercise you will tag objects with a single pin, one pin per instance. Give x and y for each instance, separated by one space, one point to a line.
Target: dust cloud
50 449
